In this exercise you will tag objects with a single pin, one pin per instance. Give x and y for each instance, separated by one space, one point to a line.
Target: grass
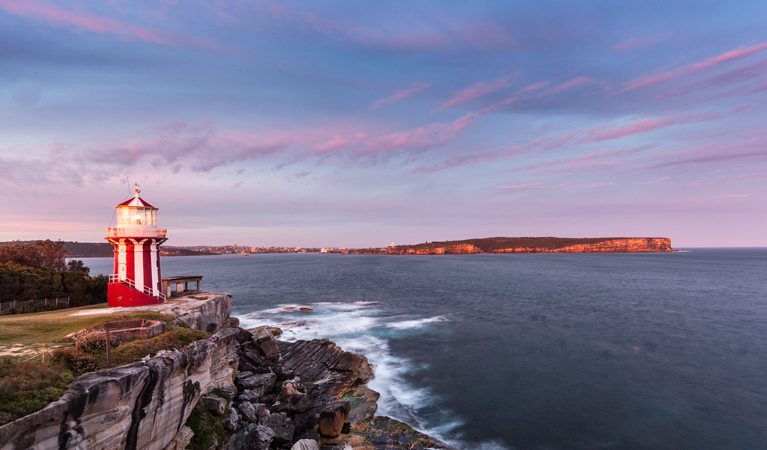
91 355
52 326
26 387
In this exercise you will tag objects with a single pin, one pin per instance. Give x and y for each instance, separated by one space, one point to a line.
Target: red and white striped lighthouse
136 279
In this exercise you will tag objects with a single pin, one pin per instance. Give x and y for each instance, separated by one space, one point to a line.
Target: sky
356 124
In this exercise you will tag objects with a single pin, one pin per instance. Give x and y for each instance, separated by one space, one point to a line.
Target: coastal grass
91 355
28 386
52 326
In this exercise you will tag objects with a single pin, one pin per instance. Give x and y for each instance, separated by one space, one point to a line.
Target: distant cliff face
630 245
530 245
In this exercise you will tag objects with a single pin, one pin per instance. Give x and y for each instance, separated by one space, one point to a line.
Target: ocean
531 351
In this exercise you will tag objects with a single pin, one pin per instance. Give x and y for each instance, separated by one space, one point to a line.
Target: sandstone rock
282 426
260 383
252 437
276 332
292 391
140 405
244 336
345 445
216 405
266 342
249 395
306 444
181 440
333 418
248 412
232 423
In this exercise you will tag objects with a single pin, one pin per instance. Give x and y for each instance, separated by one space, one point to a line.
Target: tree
78 266
42 255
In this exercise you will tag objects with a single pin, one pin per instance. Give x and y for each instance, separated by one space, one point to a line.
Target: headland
527 245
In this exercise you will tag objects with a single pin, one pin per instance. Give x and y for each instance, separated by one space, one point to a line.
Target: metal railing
114 278
136 231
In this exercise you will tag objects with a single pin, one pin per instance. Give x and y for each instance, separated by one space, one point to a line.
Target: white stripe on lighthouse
138 263
155 269
122 263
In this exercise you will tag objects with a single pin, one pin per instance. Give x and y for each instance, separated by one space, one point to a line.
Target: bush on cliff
208 429
90 354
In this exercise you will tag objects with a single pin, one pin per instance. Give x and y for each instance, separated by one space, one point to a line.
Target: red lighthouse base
119 294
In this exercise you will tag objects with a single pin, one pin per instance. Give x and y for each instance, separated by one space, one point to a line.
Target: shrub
28 386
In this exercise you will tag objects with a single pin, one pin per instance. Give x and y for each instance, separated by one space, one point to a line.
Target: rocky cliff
141 405
529 245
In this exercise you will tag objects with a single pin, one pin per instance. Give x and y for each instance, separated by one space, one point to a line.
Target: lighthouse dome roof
136 201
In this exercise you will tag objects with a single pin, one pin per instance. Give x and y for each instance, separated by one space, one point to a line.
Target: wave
361 327
407 324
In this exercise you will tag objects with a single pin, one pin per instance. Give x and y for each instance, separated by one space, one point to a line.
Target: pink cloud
338 143
400 95
85 21
575 82
475 91
418 138
534 87
608 132
728 56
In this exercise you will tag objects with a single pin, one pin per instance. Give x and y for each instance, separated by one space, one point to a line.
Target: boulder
252 437
260 383
306 444
345 445
249 395
333 418
266 342
248 412
232 422
292 391
215 404
281 425
243 336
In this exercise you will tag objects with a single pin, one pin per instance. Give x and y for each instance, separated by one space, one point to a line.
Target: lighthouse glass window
136 216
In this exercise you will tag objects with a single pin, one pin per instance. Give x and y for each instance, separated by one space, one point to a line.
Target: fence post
109 353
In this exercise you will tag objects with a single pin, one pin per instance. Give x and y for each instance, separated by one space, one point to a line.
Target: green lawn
50 327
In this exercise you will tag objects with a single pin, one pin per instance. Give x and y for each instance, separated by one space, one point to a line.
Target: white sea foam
360 328
406 324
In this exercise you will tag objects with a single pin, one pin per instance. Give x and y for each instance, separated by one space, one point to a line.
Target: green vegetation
90 354
26 387
208 429
488 245
37 271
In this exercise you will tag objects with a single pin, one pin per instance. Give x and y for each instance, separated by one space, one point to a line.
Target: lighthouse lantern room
136 279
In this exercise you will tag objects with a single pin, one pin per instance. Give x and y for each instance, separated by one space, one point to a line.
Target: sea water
531 351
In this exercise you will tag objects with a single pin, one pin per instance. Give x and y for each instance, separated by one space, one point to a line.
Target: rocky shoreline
256 393
308 395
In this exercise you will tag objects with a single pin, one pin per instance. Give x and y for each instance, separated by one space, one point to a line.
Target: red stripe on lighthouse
148 275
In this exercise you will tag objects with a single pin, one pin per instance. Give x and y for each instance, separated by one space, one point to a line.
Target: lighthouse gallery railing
113 278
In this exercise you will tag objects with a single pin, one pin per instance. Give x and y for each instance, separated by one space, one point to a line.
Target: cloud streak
83 21
732 55
400 95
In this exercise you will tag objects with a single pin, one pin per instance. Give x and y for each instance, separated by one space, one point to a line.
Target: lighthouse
136 279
